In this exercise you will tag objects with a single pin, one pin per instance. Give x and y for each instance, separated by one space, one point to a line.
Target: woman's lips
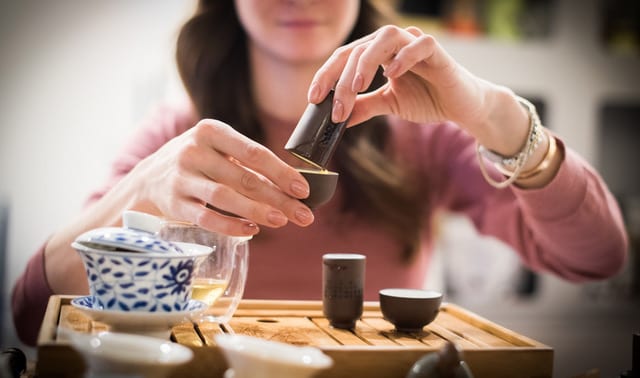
299 23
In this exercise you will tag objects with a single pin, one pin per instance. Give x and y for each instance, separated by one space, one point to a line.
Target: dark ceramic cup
322 185
342 288
409 309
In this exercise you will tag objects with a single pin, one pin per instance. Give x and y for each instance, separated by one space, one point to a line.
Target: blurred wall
75 78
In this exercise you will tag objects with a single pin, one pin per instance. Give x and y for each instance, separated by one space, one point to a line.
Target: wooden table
373 349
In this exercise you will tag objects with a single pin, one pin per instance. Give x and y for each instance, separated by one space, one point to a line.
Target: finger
368 106
228 171
379 52
258 198
418 51
257 187
195 212
326 77
221 137
229 200
345 95
415 31
248 182
375 53
203 164
423 56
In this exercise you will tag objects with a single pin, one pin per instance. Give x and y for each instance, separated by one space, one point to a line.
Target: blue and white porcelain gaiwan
131 269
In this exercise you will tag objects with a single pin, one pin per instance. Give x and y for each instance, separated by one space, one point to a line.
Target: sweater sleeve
572 227
577 229
164 123
29 299
31 291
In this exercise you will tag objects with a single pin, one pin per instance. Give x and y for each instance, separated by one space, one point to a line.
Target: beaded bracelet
546 161
513 165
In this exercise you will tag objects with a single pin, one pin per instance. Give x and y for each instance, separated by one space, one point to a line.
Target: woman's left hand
425 84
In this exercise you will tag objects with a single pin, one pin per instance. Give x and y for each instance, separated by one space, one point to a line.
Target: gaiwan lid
127 240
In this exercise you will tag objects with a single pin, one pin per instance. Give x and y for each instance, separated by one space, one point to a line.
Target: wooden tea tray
373 349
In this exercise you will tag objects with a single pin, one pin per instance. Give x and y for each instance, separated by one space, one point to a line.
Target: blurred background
76 77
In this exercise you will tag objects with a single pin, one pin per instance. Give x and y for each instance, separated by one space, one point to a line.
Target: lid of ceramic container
127 240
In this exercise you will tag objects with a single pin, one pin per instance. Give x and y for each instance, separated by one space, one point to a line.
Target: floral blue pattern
90 302
180 277
132 281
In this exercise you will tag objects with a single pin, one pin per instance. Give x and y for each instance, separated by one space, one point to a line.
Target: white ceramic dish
119 354
156 324
253 357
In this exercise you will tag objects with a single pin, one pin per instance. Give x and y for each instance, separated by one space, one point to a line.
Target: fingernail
277 218
251 228
300 189
336 113
314 93
304 216
358 83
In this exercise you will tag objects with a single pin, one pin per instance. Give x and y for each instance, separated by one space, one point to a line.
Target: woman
250 67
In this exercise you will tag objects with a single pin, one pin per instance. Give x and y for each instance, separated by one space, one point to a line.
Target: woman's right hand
213 164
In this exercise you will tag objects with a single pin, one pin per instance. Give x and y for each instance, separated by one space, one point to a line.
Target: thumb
367 106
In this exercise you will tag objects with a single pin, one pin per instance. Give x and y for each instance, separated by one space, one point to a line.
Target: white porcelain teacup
253 357
109 354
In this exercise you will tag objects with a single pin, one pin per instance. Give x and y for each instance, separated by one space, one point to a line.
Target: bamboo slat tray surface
373 349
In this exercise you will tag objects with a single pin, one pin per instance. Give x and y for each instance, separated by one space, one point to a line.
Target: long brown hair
212 53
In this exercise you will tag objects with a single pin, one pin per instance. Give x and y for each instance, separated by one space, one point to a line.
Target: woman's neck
280 87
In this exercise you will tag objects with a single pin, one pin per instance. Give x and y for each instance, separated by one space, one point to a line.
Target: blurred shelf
568 68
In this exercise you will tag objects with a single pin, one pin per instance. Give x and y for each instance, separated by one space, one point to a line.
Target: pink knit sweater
572 227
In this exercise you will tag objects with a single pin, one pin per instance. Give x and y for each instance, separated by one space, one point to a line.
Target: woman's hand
424 83
211 170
